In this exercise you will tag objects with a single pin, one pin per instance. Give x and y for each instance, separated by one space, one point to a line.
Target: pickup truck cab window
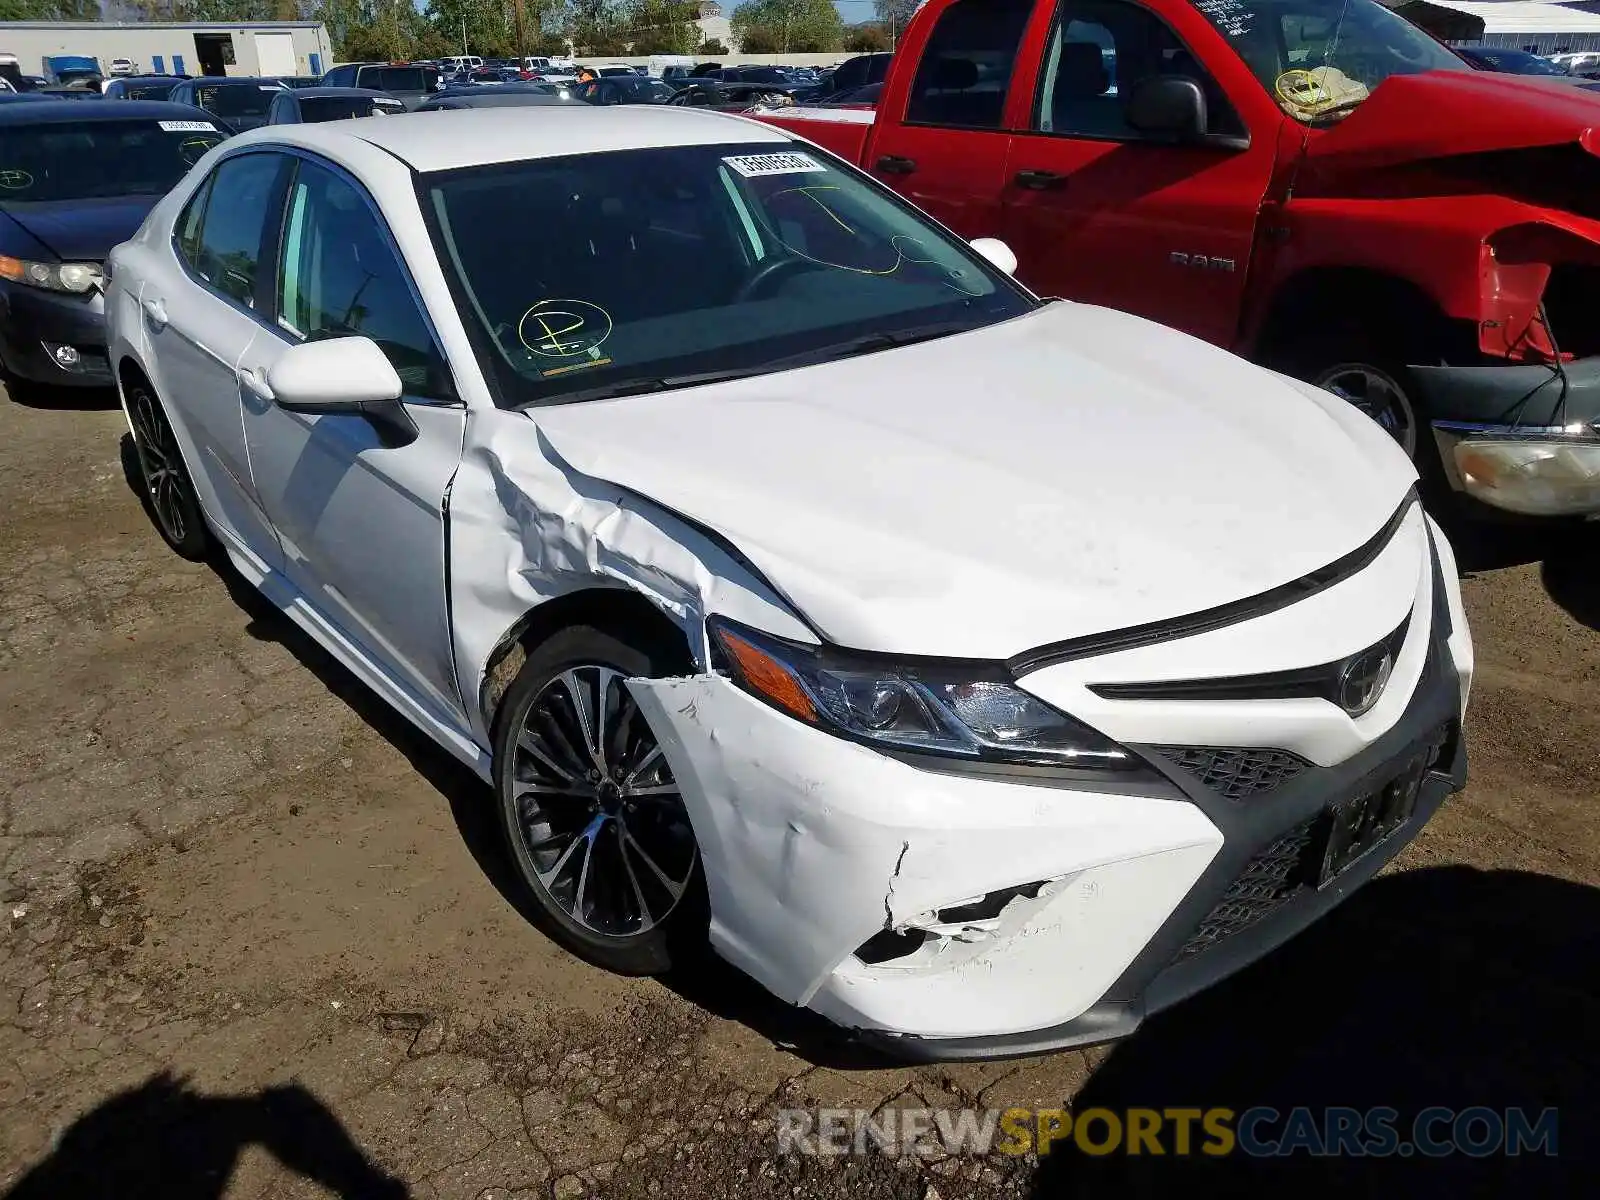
1321 58
1098 50
966 69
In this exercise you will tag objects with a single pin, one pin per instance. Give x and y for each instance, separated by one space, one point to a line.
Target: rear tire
167 489
591 815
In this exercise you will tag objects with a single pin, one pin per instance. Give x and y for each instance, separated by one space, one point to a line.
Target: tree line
397 29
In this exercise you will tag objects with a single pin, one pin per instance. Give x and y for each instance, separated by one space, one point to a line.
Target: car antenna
1327 61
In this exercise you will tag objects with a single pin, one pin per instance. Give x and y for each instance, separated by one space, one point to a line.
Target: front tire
168 491
592 817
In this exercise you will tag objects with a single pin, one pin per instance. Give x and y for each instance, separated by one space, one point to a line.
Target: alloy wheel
166 483
1379 396
602 826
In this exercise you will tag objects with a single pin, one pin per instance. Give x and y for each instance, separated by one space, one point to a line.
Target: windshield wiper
641 385
651 383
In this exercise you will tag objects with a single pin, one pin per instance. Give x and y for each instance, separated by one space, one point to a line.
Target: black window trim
1219 141
274 245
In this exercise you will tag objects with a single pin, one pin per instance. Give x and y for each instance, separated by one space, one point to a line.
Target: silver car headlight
73 277
971 712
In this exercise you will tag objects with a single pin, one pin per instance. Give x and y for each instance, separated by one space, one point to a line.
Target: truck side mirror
1168 105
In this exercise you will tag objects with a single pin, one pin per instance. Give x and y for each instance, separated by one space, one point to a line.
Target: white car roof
446 141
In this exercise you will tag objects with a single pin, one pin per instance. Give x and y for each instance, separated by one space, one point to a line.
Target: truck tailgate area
844 131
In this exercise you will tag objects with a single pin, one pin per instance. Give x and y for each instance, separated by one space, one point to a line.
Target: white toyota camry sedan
980 672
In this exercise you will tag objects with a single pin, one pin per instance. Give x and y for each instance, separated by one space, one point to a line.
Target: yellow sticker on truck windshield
752 166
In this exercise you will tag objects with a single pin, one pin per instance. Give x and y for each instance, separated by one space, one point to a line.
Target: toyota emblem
1362 680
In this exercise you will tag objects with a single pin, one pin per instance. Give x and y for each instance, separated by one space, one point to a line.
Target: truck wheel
1377 393
1373 378
592 817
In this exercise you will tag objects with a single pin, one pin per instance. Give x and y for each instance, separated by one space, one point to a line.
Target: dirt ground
255 940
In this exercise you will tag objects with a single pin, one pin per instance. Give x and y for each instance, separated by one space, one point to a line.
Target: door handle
894 164
1038 181
255 384
156 312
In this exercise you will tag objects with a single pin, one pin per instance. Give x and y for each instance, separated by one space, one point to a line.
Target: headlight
75 277
965 712
1536 476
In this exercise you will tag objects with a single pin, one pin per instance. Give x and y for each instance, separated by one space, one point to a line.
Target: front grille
1269 880
1235 772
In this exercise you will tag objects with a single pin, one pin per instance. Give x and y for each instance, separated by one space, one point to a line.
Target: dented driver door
1099 212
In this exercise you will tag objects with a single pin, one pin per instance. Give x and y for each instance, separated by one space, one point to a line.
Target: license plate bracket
1358 826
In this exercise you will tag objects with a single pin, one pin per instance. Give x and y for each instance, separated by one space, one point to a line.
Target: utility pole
464 50
516 16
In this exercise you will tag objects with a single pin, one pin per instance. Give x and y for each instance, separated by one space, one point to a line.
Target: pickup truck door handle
156 312
893 164
1039 181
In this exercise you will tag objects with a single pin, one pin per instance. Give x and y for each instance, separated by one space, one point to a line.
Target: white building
159 47
1541 28
713 26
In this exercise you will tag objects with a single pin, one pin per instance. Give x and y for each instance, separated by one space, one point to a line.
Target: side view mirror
347 375
997 253
1169 105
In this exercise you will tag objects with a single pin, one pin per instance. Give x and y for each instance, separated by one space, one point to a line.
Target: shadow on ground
165 1140
62 399
1568 554
1447 986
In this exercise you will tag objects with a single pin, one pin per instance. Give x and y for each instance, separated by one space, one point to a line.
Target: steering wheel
777 268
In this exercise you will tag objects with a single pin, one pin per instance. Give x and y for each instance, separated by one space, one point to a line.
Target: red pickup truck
1317 185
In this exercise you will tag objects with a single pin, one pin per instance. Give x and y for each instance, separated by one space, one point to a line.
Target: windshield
397 79
99 158
237 99
792 256
147 91
639 90
1320 58
339 108
1518 62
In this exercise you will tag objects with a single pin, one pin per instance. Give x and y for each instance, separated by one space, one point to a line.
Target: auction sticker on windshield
187 126
753 165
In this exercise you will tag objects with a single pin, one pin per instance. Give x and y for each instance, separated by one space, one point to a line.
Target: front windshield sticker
15 181
752 166
566 329
187 126
1230 16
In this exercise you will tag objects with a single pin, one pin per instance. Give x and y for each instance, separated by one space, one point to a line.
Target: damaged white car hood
1067 473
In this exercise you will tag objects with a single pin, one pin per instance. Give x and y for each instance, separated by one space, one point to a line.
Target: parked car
241 101
861 71
1357 223
729 97
299 81
410 83
981 673
509 95
141 87
1513 62
7 96
309 105
613 89
861 97
76 179
122 66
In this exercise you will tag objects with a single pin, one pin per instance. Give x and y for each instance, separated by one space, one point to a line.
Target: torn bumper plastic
946 915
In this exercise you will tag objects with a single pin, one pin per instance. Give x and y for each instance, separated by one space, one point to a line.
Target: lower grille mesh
1235 773
1268 880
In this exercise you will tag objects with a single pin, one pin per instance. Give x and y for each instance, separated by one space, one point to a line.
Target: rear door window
226 252
965 70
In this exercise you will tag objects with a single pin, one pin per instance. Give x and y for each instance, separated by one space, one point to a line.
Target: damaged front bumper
1524 439
1019 917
